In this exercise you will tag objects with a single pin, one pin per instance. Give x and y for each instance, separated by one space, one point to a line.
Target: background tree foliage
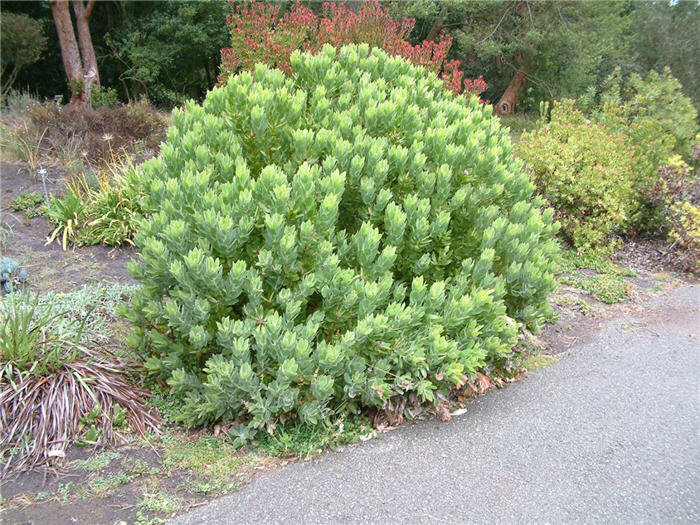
22 41
561 47
170 50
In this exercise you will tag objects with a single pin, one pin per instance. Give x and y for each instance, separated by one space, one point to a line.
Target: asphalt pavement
609 434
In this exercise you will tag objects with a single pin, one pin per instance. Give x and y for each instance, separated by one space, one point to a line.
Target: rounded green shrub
329 240
585 171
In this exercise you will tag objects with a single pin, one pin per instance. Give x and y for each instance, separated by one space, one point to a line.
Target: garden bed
145 481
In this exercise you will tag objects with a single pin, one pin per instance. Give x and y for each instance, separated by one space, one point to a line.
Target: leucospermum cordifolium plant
261 34
332 239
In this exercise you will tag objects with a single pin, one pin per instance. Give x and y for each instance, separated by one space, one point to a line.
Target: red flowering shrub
260 34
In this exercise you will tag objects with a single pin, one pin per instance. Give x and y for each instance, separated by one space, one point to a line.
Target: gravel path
609 434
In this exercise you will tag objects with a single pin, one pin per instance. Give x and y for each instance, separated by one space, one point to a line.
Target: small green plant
161 503
606 288
102 486
298 439
30 203
142 519
62 494
137 467
67 214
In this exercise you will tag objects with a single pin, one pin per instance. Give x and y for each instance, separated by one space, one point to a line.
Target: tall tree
22 42
72 61
669 37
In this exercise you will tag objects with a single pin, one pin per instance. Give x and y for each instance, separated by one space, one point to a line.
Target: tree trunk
438 25
82 21
506 105
69 48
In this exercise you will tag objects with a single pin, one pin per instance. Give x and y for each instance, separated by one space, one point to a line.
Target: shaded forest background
169 51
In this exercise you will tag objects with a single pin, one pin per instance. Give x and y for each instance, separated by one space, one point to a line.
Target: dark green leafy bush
655 118
332 239
660 97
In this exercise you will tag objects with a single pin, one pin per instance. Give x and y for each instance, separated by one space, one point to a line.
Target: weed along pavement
608 434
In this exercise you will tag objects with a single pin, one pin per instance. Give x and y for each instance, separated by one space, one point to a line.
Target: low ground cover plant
30 203
332 240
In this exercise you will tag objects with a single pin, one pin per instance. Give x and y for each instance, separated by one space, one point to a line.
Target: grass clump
605 288
608 284
96 463
58 385
103 486
161 503
598 261
537 362
214 460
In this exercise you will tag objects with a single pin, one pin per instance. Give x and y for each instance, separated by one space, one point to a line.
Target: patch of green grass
537 362
609 286
161 502
608 289
202 487
212 458
97 462
297 439
138 467
598 261
142 519
104 486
